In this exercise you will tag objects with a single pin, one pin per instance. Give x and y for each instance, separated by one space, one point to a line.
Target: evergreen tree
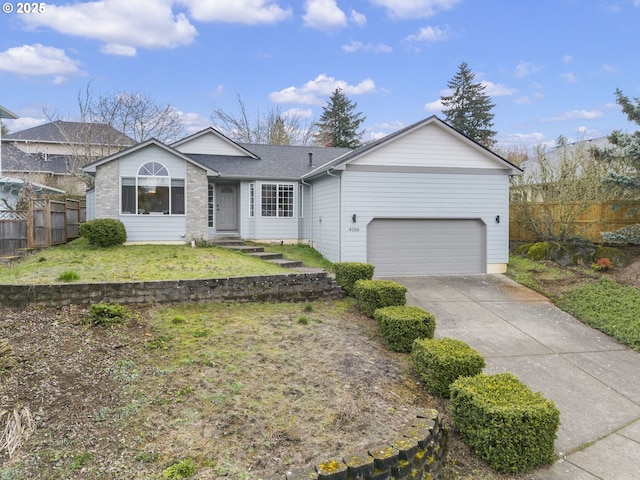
338 124
468 108
626 181
3 129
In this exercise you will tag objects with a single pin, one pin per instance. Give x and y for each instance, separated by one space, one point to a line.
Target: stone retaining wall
293 287
418 452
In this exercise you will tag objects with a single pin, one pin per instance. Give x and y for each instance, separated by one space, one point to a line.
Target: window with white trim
277 199
152 191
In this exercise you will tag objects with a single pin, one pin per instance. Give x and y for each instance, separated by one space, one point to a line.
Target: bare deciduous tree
556 189
274 128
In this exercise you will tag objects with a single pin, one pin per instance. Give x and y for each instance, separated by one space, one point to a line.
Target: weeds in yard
7 356
69 276
107 313
183 469
81 460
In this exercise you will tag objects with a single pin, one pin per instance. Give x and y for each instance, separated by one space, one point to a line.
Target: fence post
47 217
31 236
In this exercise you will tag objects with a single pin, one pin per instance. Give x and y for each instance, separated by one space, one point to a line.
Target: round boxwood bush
401 325
104 232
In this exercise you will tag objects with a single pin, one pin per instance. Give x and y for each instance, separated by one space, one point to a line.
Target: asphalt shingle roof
15 160
275 161
72 132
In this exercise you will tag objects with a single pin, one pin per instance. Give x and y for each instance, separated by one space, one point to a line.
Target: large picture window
277 200
152 192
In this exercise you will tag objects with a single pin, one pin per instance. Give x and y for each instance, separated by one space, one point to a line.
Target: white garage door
426 247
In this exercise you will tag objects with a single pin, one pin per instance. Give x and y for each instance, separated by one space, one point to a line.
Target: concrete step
266 255
244 248
285 263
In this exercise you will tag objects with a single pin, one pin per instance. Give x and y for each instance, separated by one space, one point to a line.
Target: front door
226 208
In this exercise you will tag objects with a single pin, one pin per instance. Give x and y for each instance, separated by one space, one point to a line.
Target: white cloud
497 89
23 123
402 9
430 34
193 122
525 100
534 138
218 91
575 115
358 18
314 91
569 77
609 68
120 50
357 46
435 106
526 69
298 113
567 59
39 60
324 15
250 12
122 24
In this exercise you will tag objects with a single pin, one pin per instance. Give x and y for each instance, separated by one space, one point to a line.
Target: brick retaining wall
293 287
418 452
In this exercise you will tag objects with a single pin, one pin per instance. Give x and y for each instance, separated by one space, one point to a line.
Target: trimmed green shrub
440 362
104 232
539 251
348 273
374 294
107 313
401 325
509 426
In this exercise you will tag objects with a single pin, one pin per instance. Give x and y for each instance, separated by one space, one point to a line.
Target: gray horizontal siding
156 228
324 220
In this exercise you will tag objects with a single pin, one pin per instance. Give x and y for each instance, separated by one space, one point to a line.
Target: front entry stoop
258 252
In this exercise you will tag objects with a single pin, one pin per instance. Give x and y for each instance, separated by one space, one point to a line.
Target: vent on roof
311 159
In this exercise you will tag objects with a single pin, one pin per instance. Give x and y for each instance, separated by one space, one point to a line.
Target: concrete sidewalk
593 380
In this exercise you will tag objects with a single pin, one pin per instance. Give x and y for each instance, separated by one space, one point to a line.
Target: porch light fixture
497 218
354 218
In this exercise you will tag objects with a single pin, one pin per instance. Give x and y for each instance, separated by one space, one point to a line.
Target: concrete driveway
593 380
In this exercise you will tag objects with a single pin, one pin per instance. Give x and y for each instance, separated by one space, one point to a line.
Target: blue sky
551 66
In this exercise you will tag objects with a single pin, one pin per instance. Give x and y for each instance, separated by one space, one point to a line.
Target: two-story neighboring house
54 153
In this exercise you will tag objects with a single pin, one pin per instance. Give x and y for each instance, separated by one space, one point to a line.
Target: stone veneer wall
294 287
197 202
107 190
417 453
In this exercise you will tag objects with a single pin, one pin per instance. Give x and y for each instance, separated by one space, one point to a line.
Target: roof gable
6 113
211 142
430 143
151 143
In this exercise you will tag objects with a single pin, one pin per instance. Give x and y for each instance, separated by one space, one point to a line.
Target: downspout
311 242
339 177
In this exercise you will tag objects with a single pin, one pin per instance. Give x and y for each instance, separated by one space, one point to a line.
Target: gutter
311 239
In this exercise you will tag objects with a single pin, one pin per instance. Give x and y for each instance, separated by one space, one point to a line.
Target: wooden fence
45 223
595 219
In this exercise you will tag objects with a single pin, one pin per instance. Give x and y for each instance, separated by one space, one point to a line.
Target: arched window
153 192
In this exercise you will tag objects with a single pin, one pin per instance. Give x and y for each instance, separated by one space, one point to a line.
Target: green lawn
593 298
77 261
609 307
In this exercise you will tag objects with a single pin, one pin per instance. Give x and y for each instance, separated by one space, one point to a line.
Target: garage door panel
426 246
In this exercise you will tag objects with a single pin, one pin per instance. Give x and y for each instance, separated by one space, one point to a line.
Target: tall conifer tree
468 108
338 124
